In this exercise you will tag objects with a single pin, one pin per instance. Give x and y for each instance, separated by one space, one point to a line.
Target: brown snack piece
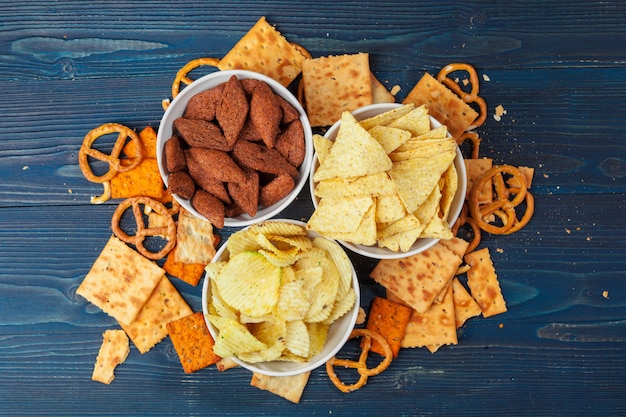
265 113
233 210
193 342
249 132
249 84
218 164
120 281
443 104
181 184
276 190
174 155
210 207
259 157
164 305
290 143
289 112
233 110
204 104
113 351
246 193
201 133
205 181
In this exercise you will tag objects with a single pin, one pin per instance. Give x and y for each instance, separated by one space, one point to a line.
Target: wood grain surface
559 70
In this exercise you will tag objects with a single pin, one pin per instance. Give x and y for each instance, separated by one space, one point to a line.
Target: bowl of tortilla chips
278 299
234 147
387 181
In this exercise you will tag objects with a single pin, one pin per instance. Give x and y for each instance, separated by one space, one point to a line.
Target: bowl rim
213 79
376 252
291 368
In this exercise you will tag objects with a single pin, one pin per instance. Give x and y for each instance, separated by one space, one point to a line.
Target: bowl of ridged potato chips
278 299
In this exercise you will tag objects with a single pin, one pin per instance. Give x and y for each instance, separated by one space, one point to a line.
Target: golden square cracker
483 283
334 84
190 273
389 319
433 328
195 240
113 351
465 307
456 245
120 281
263 49
443 104
193 342
476 168
164 305
288 387
418 279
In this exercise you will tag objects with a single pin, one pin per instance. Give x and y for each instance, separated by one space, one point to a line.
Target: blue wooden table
559 70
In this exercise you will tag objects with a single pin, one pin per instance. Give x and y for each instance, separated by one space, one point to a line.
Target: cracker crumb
486 77
546 176
500 250
395 90
465 81
69 190
500 111
588 239
605 294
501 325
568 231
25 167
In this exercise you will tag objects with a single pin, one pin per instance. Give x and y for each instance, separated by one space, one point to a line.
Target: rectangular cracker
120 281
164 305
418 279
195 240
113 351
193 342
334 84
288 387
443 104
465 307
483 283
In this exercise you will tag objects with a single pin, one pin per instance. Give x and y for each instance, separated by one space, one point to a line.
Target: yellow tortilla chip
389 208
343 215
354 153
365 234
416 121
373 185
390 138
385 118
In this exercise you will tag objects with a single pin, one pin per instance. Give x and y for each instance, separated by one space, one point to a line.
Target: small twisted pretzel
472 96
182 74
168 231
106 194
115 163
360 365
504 203
475 139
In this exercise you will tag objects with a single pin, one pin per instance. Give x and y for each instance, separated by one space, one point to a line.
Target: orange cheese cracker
263 49
334 84
190 273
418 279
445 106
483 283
164 305
143 180
113 351
389 319
193 342
120 281
288 387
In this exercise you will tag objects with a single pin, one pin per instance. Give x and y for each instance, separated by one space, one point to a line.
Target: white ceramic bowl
177 108
421 244
338 333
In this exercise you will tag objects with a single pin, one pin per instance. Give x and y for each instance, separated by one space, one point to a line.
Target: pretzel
106 194
361 364
115 163
475 139
182 74
504 203
472 96
168 232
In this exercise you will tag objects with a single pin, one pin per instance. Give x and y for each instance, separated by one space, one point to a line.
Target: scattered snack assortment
426 300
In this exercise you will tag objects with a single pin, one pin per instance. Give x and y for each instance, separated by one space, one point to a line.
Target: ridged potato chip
298 341
235 338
